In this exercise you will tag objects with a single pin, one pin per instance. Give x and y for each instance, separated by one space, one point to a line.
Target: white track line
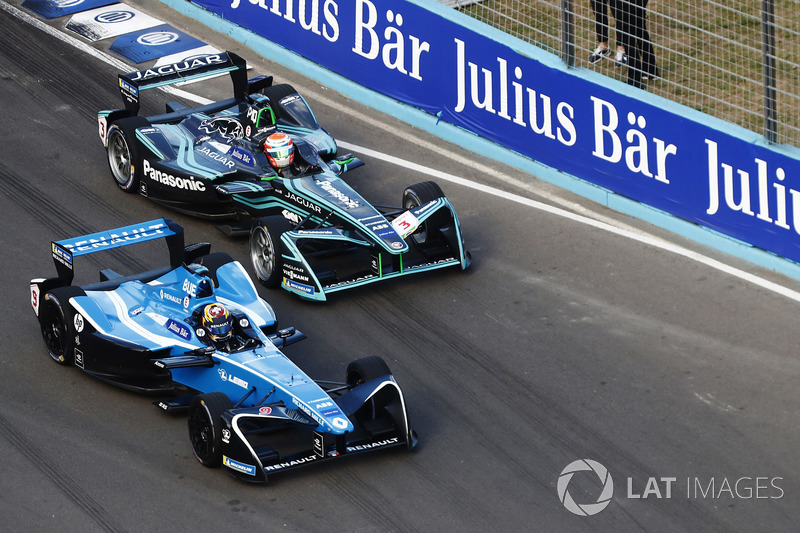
315 96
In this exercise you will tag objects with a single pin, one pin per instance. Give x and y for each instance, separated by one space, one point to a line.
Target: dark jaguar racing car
310 232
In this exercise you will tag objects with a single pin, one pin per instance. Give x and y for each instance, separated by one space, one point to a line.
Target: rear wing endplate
132 83
65 250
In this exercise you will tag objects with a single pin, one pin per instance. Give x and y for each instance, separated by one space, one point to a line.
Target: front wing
263 440
309 281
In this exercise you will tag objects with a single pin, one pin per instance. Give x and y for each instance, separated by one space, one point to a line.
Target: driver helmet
279 149
217 320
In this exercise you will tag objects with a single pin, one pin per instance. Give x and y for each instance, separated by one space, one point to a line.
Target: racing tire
123 153
266 249
58 335
205 427
366 369
420 194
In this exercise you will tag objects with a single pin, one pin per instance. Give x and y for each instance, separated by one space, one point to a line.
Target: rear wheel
366 369
123 155
266 249
420 194
55 331
205 427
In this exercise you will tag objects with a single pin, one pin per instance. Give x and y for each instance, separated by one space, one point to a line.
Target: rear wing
131 84
65 250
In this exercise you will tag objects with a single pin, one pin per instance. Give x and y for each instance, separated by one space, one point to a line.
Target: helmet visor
220 330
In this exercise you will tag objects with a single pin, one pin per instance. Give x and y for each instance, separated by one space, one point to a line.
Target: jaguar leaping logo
229 128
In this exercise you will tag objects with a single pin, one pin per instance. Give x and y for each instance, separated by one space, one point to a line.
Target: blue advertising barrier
153 42
636 145
50 9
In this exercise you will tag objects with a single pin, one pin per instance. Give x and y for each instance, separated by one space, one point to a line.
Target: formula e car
310 232
143 332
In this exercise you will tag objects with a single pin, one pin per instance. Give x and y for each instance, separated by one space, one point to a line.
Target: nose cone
328 415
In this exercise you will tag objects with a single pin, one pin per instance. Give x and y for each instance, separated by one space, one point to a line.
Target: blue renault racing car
196 333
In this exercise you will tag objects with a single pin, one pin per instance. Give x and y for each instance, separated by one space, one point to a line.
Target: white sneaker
620 58
598 54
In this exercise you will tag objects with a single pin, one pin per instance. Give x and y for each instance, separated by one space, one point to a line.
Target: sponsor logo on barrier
565 130
320 22
610 146
157 38
395 53
114 17
771 200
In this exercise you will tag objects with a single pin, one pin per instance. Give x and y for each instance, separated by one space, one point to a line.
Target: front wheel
205 427
122 152
266 249
366 369
420 194
55 331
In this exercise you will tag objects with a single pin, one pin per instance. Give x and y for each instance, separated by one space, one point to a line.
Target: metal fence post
768 49
568 33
